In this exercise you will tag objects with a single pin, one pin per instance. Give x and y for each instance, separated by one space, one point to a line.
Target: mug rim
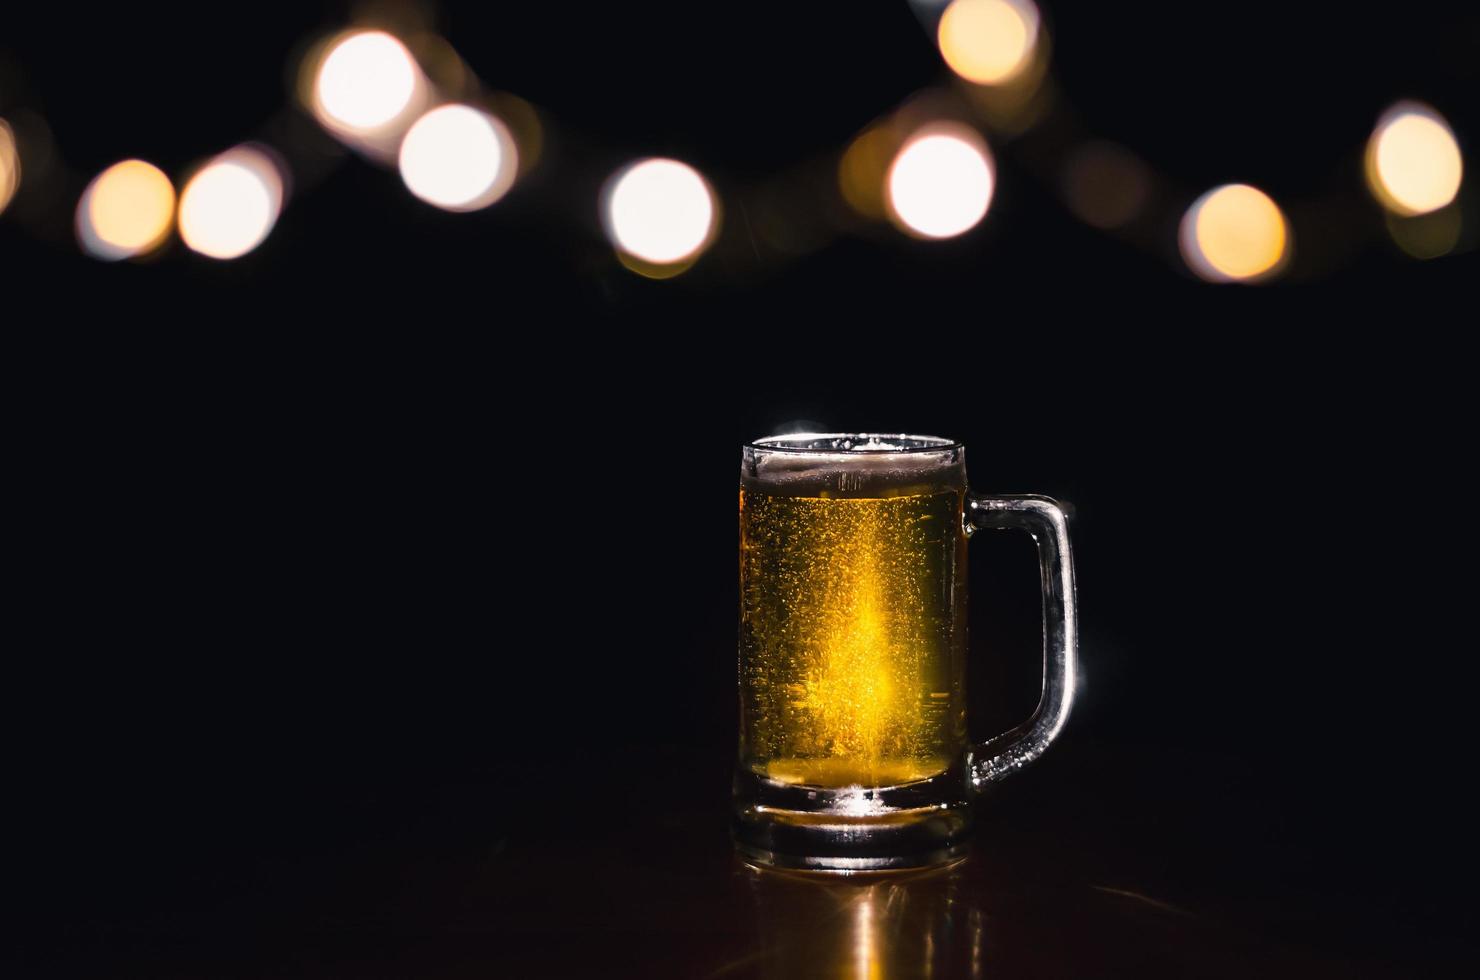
843 444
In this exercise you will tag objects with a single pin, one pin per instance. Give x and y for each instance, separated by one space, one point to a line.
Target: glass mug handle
1045 520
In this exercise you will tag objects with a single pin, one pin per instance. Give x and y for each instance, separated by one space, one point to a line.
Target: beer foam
862 465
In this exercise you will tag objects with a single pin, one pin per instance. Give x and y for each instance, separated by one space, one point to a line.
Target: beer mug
853 747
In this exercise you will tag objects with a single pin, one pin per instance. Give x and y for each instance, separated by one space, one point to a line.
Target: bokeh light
521 122
458 158
1105 185
366 88
660 211
862 169
232 203
1235 233
125 211
941 182
1414 164
1426 236
366 80
989 42
10 165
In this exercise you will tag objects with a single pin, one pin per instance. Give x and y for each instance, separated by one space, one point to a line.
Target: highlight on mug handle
1045 520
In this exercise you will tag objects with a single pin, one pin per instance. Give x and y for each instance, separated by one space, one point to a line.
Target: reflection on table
870 928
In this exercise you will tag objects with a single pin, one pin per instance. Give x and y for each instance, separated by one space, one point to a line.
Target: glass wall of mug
852 652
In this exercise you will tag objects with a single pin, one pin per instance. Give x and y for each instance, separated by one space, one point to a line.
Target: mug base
851 830
843 865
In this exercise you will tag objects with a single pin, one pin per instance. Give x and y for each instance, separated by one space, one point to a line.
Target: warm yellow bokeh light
1234 233
940 183
10 166
660 211
125 211
988 42
365 81
862 168
1413 160
231 205
458 158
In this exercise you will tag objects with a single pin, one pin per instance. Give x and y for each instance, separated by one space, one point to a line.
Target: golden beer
851 631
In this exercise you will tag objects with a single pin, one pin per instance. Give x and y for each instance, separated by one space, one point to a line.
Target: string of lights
410 103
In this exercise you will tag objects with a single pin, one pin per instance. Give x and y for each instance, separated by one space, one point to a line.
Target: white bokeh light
458 158
366 81
941 183
660 210
231 205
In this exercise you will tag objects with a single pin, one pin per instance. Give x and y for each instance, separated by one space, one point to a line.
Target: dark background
414 534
